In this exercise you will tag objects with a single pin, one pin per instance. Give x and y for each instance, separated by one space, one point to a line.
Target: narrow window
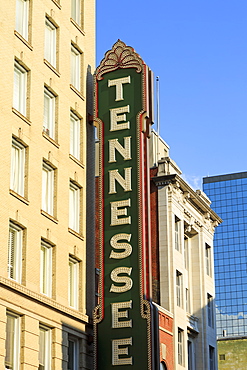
12 343
180 346
210 310
20 88
48 188
49 113
21 21
186 253
211 358
96 286
46 269
17 176
179 288
73 353
208 259
76 11
75 135
74 207
50 42
187 297
44 348
75 68
73 282
177 236
15 252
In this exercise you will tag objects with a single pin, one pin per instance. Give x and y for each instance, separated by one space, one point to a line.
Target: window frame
75 136
73 288
18 161
48 188
15 341
76 11
180 346
74 207
46 268
208 259
50 51
45 361
22 18
75 72
179 288
20 88
75 355
15 245
177 228
49 120
210 310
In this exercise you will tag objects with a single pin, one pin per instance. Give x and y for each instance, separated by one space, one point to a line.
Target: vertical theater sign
123 113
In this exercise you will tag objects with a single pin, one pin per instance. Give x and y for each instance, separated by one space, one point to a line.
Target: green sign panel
122 319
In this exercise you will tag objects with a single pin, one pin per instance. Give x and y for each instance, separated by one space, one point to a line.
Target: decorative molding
43 299
120 56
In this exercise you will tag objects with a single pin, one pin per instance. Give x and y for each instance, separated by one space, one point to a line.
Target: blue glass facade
228 194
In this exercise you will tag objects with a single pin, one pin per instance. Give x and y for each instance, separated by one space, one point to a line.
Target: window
222 357
46 269
21 21
75 68
20 88
210 310
76 11
177 236
74 207
44 348
15 252
211 358
50 42
179 288
186 253
12 343
96 286
73 353
48 188
49 113
75 135
180 346
73 282
208 259
187 298
17 176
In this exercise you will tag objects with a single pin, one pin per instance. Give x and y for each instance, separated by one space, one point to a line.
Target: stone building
47 62
182 263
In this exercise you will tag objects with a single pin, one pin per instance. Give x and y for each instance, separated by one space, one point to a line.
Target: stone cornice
40 298
194 198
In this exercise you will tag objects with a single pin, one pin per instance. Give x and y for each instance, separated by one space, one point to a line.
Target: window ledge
52 218
77 26
77 161
48 64
75 233
17 34
47 137
77 91
18 196
57 4
21 116
11 284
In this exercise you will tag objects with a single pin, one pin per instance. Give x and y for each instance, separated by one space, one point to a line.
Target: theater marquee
123 112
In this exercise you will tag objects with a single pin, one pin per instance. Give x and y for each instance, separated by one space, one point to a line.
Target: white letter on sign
127 281
127 247
114 176
116 351
115 126
116 314
119 209
124 151
118 82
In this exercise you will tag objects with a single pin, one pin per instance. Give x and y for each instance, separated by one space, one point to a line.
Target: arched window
163 366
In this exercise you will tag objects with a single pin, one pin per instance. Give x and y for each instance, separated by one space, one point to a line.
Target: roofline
230 176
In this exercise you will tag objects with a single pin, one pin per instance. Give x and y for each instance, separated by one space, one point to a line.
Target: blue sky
198 48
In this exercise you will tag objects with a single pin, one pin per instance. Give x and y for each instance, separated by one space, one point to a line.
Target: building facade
47 61
228 194
183 270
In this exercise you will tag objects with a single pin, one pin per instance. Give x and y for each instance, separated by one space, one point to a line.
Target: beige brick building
47 62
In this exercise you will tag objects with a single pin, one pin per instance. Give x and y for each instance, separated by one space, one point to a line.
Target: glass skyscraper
228 194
